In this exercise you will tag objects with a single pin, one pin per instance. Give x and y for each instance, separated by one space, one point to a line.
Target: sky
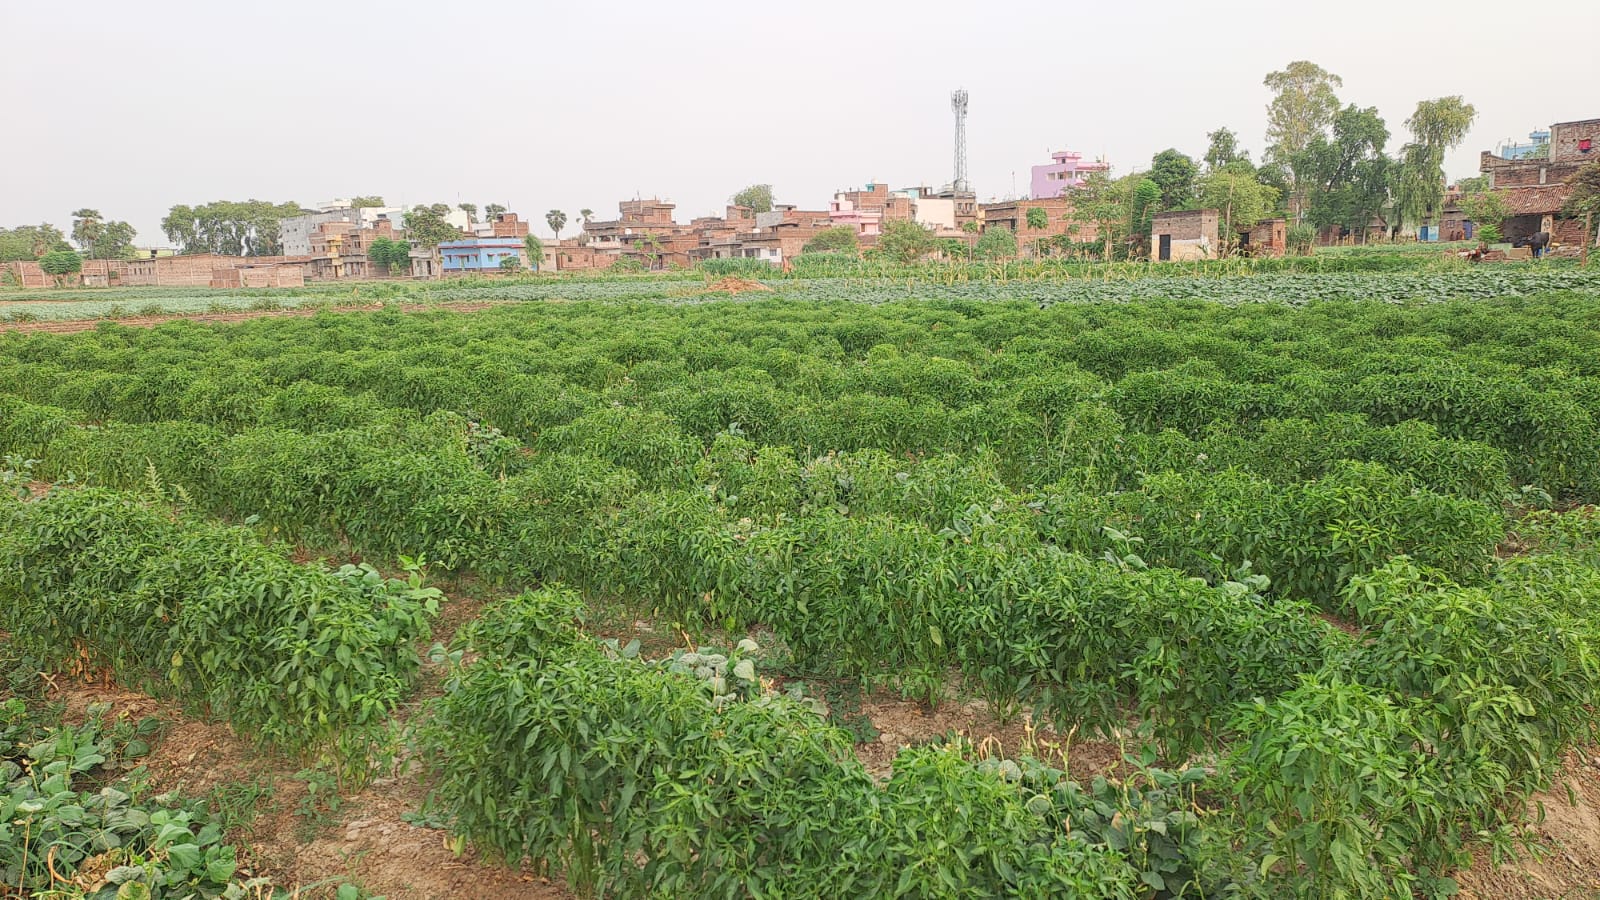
133 108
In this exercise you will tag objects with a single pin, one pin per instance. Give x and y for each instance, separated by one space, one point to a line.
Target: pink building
1068 171
845 211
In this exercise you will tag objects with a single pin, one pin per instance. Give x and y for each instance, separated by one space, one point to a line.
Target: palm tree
557 220
87 228
586 215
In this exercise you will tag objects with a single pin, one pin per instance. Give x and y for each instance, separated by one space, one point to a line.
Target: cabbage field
1320 548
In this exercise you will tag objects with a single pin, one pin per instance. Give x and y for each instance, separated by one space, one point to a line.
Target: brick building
1534 187
1059 215
645 231
259 275
1269 237
1184 234
190 270
773 237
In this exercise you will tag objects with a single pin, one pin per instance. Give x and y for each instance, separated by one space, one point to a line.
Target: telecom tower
958 102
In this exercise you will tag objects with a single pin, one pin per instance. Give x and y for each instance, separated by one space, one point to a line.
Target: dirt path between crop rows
73 326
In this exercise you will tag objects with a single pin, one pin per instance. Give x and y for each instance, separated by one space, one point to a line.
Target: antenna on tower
958 103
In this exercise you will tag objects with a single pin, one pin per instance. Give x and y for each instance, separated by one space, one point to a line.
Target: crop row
910 380
1371 776
296 656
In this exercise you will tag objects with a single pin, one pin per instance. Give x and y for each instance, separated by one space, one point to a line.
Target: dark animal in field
1538 242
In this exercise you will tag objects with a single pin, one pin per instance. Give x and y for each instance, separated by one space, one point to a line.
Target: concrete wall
935 213
1068 170
295 233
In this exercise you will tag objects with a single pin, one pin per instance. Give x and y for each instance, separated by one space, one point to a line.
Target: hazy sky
131 108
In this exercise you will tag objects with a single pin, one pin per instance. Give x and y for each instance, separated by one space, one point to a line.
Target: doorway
1165 252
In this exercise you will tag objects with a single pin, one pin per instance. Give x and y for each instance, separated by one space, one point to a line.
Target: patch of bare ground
73 326
1344 625
1569 869
733 285
908 723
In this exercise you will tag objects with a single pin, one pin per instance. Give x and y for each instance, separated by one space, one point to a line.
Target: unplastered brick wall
1269 238
1187 225
1566 141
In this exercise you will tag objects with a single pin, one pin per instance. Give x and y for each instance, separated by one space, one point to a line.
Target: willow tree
1436 127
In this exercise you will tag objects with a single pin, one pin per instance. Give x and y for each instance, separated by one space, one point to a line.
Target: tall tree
907 241
757 196
1346 175
86 228
1303 106
535 250
1174 174
115 241
557 220
471 209
427 227
1105 203
1144 202
1436 127
490 211
31 242
366 201
1223 148
229 228
585 215
1239 199
1038 218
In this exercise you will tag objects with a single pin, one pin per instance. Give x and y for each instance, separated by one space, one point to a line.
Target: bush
1300 239
300 656
644 778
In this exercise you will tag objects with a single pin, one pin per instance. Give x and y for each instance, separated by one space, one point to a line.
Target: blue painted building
475 255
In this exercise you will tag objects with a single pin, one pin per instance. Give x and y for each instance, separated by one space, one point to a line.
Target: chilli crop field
1317 549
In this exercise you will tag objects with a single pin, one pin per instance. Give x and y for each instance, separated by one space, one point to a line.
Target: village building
1534 183
1068 171
294 233
480 255
1060 223
259 275
1184 234
190 269
1268 237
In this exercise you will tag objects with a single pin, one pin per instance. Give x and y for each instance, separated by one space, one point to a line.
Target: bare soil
73 326
910 723
1569 869
733 285
365 841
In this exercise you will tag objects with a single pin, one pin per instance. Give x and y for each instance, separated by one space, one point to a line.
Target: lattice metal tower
958 102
